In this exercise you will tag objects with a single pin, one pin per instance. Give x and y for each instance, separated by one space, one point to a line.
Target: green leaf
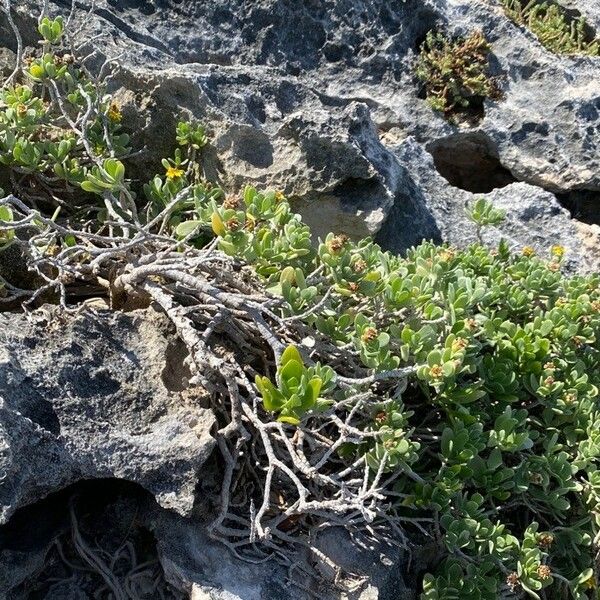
291 353
291 370
187 228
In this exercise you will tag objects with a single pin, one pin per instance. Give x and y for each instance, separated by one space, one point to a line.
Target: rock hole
424 21
584 205
469 161
43 547
176 374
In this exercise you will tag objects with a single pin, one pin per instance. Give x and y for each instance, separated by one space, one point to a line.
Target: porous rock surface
317 97
94 397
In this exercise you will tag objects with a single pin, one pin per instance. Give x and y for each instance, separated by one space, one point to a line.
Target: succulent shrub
496 427
455 72
57 125
466 379
550 23
483 214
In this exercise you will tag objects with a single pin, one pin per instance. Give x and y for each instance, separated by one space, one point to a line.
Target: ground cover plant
455 72
550 23
450 395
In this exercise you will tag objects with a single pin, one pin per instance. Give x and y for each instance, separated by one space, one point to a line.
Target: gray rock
589 10
46 547
183 560
97 396
198 565
534 217
315 99
336 57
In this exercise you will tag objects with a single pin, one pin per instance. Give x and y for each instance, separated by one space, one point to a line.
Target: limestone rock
534 217
96 396
315 98
363 569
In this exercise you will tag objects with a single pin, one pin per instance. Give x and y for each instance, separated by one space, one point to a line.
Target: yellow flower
558 251
528 251
174 173
389 444
279 197
250 222
590 583
470 324
114 113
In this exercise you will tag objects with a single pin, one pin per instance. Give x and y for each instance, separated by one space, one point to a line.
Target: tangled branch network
277 477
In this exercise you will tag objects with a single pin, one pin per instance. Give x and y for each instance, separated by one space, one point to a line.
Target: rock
589 10
97 396
315 99
196 564
181 559
326 48
63 547
534 217
7 62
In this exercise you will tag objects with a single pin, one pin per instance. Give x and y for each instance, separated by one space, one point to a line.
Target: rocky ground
317 98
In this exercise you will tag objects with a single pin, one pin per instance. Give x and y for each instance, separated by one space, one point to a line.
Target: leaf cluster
455 72
550 23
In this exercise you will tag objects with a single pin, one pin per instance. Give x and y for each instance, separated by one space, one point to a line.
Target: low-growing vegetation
550 23
450 395
455 72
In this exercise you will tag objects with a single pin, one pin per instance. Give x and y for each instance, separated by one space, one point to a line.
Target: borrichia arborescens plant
57 125
448 396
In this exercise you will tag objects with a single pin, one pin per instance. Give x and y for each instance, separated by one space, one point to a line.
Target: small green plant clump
549 22
455 72
41 115
450 395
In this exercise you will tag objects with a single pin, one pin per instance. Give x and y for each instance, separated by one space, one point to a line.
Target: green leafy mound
498 430
477 369
455 72
550 23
